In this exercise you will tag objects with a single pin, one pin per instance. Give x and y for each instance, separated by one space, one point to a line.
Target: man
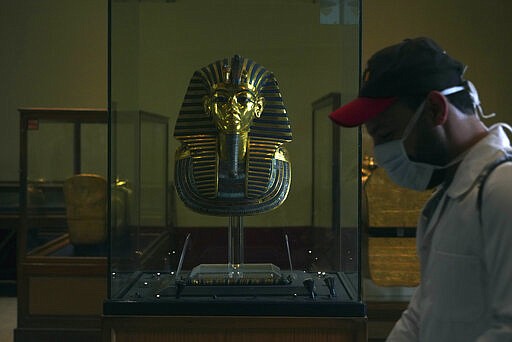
423 117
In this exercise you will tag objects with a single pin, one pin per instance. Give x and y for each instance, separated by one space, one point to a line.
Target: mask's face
233 109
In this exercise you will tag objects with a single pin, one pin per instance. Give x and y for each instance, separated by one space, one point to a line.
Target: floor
8 309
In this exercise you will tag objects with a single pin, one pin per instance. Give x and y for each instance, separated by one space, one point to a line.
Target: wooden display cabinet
60 287
62 284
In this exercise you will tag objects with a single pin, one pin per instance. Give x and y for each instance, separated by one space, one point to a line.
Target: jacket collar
486 151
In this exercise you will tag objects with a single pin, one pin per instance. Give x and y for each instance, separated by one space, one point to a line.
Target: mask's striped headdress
198 133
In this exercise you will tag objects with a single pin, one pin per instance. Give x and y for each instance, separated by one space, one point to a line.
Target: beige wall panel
66 295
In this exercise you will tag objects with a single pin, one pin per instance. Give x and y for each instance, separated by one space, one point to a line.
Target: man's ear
437 106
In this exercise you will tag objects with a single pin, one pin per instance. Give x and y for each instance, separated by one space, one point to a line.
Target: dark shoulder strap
483 177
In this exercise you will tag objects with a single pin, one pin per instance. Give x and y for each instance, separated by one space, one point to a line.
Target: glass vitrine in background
64 192
56 145
62 238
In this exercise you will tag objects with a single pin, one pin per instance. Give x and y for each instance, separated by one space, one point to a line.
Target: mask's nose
233 101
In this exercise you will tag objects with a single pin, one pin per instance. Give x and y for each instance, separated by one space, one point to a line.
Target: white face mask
394 159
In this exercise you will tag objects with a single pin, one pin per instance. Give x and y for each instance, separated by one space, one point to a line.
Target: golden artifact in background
232 126
86 208
392 261
390 205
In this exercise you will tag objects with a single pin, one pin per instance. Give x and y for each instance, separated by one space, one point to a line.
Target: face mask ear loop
481 114
476 101
413 121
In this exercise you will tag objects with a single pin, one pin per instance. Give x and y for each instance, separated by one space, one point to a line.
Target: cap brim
360 110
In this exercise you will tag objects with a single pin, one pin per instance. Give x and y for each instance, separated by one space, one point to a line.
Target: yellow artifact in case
86 203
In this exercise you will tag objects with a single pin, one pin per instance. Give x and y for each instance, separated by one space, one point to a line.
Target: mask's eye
243 99
220 99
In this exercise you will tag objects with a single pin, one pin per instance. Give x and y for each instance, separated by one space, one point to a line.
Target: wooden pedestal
232 328
60 298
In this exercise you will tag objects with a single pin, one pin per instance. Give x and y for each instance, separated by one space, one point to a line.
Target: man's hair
463 101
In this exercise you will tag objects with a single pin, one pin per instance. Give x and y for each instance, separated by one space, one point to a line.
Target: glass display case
271 229
57 144
63 235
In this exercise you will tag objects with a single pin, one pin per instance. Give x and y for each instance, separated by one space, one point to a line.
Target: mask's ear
259 106
437 106
207 105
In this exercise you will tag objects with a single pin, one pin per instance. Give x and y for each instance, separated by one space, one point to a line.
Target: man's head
418 109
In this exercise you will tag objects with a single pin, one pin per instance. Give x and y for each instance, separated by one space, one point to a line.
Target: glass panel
322 177
43 142
93 154
63 194
153 197
46 173
312 49
139 192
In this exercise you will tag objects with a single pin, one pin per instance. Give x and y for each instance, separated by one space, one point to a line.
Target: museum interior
133 209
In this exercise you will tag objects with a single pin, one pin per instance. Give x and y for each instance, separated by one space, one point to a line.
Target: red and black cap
412 67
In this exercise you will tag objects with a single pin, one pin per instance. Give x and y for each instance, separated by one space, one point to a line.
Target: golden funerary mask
232 125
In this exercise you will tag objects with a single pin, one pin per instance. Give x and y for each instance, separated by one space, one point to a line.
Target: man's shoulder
495 189
498 171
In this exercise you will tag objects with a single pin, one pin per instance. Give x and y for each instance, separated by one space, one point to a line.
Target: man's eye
386 136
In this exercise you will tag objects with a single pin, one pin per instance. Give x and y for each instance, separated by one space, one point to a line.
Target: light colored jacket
466 267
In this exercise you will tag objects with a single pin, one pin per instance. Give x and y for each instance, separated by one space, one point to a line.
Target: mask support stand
235 243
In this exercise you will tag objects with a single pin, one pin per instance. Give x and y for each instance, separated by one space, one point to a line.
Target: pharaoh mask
231 126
